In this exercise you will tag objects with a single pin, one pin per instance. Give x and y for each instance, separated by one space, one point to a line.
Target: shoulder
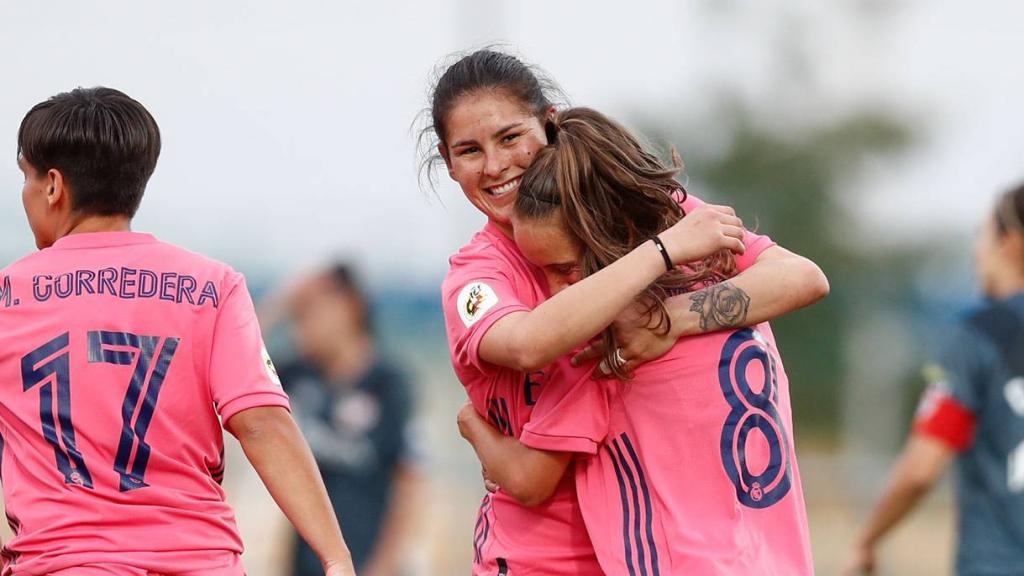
184 258
484 254
24 265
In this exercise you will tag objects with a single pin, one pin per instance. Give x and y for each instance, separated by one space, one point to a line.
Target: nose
495 164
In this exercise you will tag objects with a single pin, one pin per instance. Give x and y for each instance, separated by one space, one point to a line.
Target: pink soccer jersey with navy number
694 472
120 357
489 279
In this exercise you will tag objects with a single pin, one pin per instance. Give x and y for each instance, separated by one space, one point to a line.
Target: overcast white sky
286 125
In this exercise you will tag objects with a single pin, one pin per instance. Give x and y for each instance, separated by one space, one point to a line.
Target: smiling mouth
503 189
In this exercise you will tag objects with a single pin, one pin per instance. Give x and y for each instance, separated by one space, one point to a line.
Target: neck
92 223
505 227
351 357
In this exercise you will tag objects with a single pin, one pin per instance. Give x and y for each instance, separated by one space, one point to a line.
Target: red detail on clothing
947 420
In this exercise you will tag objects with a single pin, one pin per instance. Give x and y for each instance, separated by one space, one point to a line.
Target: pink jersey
489 278
693 468
120 357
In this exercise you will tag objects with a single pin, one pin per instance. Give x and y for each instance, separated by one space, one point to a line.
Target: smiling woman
510 337
491 116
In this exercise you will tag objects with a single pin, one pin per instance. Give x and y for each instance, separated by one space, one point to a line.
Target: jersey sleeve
755 243
242 376
949 407
475 295
572 414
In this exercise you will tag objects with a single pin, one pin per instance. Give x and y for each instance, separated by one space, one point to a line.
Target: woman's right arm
528 475
528 341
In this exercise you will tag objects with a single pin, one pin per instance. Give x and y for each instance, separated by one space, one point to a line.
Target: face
548 245
36 198
322 317
996 256
491 141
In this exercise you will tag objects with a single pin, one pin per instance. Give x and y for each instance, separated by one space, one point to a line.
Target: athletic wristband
664 253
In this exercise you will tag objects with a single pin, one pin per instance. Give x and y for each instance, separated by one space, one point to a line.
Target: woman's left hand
639 342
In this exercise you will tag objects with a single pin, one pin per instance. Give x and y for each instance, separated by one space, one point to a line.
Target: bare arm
528 341
275 447
777 283
399 521
922 463
528 475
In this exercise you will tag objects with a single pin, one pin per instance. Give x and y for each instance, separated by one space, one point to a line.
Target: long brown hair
613 195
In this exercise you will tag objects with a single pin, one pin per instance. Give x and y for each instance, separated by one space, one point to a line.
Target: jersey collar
102 240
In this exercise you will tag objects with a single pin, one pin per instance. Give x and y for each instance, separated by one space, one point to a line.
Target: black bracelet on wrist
664 253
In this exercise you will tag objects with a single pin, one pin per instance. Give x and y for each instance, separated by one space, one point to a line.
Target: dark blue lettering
186 286
209 292
147 284
167 286
107 277
128 283
42 292
5 292
83 282
65 285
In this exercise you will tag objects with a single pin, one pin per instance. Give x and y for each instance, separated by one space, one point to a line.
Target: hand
467 414
861 562
490 485
339 568
704 231
639 341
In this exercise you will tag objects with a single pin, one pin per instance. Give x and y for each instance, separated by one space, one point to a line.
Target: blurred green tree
787 182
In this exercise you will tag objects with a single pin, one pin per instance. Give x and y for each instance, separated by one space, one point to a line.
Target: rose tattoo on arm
720 306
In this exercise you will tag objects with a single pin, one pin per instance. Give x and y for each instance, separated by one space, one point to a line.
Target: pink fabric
96 309
659 491
549 539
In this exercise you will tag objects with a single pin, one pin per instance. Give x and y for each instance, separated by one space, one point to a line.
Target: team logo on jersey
475 299
268 364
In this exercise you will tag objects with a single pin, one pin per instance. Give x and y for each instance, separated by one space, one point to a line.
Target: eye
467 150
565 269
511 137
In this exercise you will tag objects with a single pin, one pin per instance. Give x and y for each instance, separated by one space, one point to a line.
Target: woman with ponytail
490 116
687 465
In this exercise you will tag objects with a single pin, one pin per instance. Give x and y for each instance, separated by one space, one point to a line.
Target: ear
56 191
1013 246
443 151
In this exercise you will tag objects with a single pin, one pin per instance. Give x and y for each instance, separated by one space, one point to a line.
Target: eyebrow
498 134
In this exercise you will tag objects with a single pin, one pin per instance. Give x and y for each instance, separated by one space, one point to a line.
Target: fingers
625 365
720 208
591 352
732 239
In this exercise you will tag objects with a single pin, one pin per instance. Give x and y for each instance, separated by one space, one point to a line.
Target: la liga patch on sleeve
269 365
475 299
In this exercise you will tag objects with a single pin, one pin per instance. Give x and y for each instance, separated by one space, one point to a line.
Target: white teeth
505 188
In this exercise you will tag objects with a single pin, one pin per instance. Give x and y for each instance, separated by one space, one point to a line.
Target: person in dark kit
354 406
973 415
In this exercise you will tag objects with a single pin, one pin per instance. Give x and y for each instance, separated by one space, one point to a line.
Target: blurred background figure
354 406
973 414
